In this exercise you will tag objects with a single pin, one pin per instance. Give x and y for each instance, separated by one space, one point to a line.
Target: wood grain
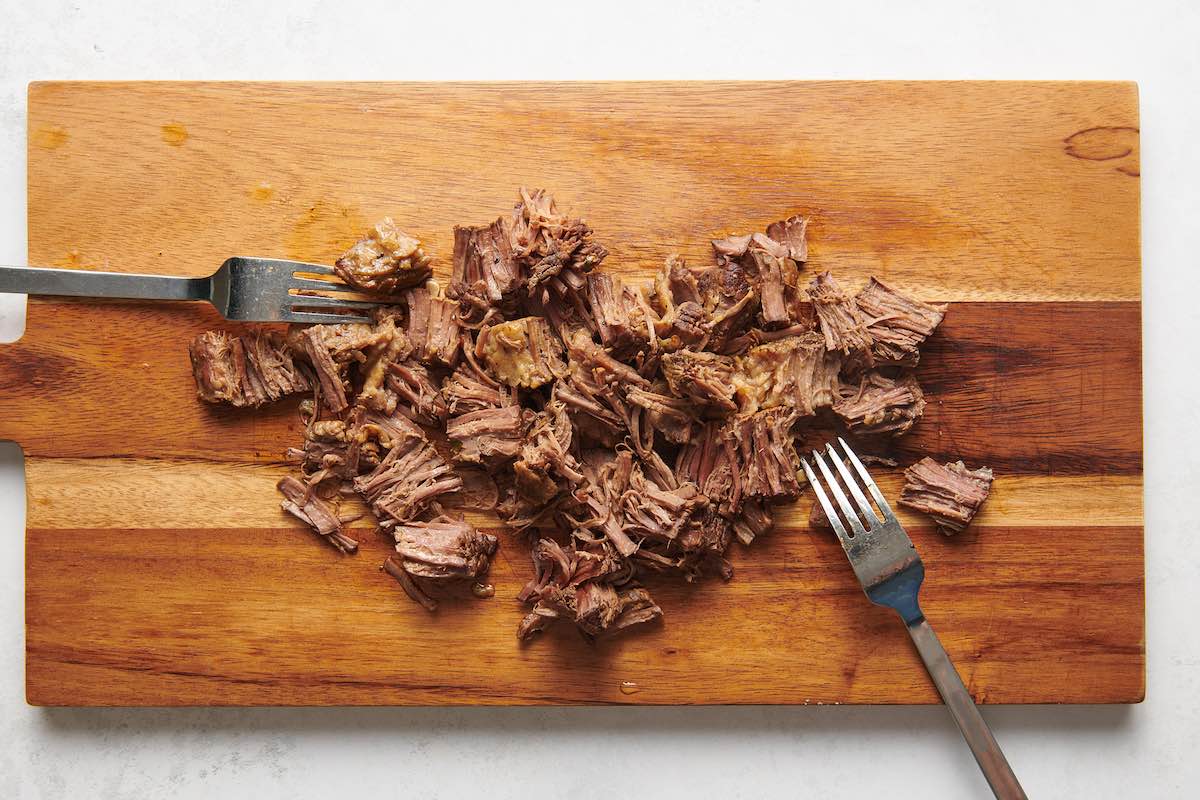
1006 388
172 616
160 571
130 493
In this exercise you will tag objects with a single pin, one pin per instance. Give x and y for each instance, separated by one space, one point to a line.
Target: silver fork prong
313 269
870 518
869 482
839 495
830 513
321 301
313 283
318 318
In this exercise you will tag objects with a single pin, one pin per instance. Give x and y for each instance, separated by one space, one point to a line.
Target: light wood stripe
941 188
69 493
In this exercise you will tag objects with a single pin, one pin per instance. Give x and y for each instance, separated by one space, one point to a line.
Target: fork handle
84 283
979 737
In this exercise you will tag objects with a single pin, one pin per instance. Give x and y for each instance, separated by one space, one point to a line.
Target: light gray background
1143 751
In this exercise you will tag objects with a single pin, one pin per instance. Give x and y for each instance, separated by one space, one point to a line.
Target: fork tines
865 518
306 305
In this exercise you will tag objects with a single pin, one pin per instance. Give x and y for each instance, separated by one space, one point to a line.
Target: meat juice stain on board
174 134
50 138
320 233
262 192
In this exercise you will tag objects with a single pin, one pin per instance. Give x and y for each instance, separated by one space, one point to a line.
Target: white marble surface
1142 751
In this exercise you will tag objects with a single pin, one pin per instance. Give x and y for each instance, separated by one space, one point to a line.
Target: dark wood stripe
1032 388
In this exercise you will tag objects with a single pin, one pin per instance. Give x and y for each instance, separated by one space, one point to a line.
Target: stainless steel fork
890 571
244 289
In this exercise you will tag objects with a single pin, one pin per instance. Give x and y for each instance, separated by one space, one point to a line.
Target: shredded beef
384 261
768 457
244 371
704 378
949 493
626 430
622 319
407 481
485 276
488 436
301 502
522 353
877 404
795 372
898 325
552 248
438 552
843 323
433 326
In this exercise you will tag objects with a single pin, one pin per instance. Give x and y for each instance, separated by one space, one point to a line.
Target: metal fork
890 571
245 289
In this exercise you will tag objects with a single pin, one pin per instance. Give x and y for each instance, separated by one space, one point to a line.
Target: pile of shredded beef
626 430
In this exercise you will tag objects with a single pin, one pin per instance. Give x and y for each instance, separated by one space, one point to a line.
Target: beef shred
628 430
384 261
246 370
438 552
897 324
949 493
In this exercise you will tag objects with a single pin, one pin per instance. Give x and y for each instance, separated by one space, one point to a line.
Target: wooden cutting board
160 570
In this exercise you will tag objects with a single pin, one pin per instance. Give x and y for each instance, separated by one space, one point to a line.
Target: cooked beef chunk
485 277
332 450
730 303
550 246
755 520
332 348
795 372
710 460
704 543
409 478
586 586
545 466
563 393
770 265
950 493
419 397
897 324
642 508
521 353
246 371
842 322
817 517
433 326
490 436
878 404
470 388
705 378
597 412
673 417
381 358
768 458
440 551
622 317
603 369
792 234
302 503
384 261
682 320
